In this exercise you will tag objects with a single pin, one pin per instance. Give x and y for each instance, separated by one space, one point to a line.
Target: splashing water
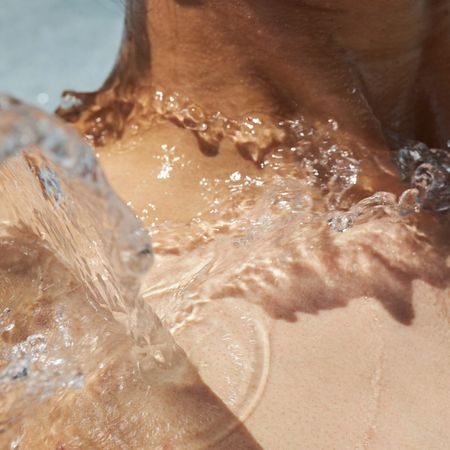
306 186
261 242
113 239
260 239
72 257
261 138
428 170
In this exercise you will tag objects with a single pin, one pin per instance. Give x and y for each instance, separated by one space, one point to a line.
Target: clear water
89 336
72 317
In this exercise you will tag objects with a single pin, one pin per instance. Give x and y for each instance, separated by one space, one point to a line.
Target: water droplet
69 101
159 357
409 202
15 444
334 125
341 222
51 184
43 98
235 176
193 118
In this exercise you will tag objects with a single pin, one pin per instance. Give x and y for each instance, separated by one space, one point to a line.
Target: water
82 346
428 170
72 318
324 154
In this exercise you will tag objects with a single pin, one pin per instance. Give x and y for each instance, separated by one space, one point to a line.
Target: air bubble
193 118
69 101
341 222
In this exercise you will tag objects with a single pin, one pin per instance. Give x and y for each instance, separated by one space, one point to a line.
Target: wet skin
359 322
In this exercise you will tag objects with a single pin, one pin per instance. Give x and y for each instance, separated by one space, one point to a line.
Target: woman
311 337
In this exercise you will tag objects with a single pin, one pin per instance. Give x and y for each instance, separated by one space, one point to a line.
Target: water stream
72 257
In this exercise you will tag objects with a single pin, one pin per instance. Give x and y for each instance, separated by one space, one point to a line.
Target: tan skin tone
359 328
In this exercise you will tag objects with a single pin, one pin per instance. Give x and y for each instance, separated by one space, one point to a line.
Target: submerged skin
358 323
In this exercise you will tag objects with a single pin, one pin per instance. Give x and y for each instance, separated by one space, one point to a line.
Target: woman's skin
359 322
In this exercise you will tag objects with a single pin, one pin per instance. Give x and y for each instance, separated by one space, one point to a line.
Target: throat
281 59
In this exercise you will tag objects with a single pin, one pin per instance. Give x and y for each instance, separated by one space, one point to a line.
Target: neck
285 58
230 56
272 57
241 58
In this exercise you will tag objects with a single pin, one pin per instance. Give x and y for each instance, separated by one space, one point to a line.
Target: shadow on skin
380 260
